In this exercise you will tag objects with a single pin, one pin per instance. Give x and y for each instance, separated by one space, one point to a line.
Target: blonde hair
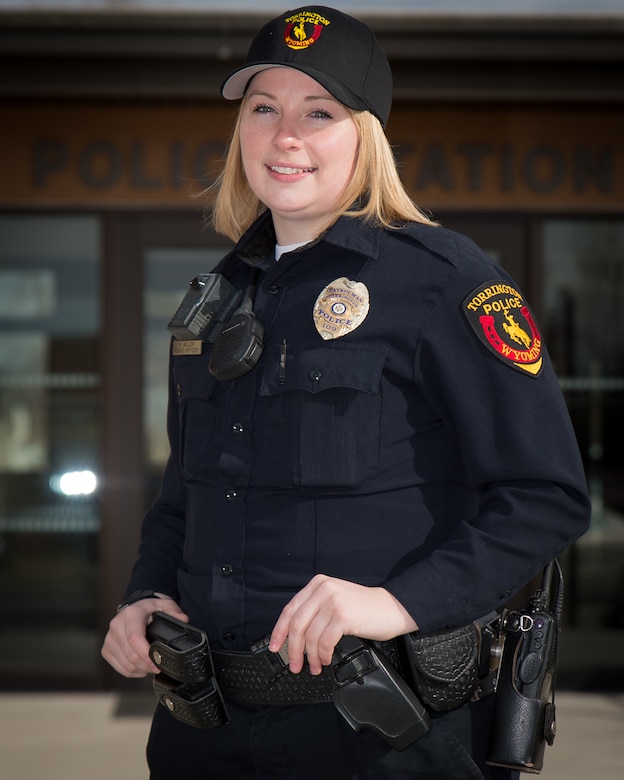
374 193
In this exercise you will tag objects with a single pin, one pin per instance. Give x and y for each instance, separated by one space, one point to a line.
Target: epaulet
448 245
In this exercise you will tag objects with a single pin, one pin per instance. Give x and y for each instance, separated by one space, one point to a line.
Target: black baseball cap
338 51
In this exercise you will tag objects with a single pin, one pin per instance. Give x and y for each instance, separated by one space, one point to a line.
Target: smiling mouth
287 170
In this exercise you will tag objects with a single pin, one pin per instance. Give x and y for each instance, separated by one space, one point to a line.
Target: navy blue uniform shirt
419 451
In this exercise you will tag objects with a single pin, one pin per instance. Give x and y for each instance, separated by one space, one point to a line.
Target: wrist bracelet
137 595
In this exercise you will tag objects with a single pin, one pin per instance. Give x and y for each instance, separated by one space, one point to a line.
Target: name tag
193 347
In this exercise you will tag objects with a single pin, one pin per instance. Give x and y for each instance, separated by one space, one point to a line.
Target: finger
122 660
292 625
328 641
140 659
323 634
298 638
171 607
133 648
282 629
279 633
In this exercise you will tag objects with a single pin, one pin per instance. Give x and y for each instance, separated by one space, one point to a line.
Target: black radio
524 713
208 303
239 344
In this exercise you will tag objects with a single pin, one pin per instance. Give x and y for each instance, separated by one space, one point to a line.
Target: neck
297 231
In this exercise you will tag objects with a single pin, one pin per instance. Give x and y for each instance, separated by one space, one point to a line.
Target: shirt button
226 570
231 495
238 427
228 636
179 390
274 289
315 375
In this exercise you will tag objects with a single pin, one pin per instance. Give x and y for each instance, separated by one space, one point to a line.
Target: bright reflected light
74 483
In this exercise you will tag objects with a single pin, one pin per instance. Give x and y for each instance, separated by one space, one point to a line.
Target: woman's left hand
327 609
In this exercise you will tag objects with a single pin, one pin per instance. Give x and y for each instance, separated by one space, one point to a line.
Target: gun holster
369 693
524 709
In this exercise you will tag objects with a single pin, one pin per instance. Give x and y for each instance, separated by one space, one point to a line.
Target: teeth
283 169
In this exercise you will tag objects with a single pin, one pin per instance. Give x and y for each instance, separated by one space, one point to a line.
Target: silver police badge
341 308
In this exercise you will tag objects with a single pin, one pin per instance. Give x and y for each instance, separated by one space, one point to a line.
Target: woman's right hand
125 647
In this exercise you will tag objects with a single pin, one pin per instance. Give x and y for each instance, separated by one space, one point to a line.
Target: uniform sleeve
520 455
163 527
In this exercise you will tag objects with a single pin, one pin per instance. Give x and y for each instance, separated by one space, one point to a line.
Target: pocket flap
316 370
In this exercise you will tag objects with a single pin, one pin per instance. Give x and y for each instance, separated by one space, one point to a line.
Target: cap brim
235 85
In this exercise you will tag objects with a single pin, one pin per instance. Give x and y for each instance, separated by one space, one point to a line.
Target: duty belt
263 677
445 668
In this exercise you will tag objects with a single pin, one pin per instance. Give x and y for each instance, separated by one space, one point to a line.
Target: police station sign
512 156
69 154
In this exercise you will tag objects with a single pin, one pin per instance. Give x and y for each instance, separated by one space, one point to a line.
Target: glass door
583 320
49 456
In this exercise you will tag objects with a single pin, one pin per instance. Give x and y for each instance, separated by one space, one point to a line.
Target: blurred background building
508 122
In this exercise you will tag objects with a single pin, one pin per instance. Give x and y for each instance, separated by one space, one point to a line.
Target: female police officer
392 455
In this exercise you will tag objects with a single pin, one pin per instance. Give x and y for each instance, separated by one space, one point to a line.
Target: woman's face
298 147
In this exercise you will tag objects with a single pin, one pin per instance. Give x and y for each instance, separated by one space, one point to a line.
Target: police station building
508 123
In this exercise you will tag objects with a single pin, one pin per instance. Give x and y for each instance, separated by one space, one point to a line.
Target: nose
287 136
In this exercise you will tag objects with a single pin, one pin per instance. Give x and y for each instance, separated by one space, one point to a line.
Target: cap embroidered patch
297 35
503 321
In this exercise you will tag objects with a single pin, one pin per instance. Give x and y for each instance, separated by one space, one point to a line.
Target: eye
263 108
320 113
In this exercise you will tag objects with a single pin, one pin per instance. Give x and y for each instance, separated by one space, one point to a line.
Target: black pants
313 741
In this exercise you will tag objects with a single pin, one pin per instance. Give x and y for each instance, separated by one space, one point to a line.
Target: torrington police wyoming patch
297 36
503 321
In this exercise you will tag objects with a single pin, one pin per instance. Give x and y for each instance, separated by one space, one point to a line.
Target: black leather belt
262 677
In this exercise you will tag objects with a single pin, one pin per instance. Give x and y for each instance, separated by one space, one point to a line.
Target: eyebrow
262 93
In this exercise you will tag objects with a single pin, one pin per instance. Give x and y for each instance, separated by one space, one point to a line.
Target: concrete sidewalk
82 737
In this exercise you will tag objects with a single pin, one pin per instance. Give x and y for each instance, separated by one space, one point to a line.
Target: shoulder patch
503 321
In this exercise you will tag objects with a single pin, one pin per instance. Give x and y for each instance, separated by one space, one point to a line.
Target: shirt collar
256 246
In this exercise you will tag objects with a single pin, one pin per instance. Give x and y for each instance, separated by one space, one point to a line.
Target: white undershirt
281 249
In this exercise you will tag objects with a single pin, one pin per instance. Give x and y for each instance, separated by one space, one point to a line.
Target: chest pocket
194 388
320 425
